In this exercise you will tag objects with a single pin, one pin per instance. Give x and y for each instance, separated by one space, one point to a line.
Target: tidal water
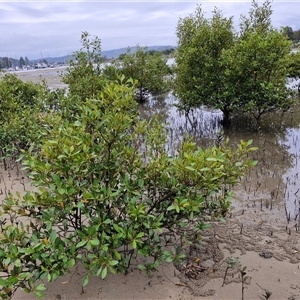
274 183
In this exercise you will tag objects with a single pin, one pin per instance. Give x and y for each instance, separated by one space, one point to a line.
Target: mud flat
51 75
261 232
255 235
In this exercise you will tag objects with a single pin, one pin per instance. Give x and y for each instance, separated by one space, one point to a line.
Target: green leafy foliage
106 189
258 65
21 103
150 70
243 72
200 70
83 74
294 65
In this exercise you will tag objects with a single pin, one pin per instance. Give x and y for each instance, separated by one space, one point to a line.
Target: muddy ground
255 236
261 232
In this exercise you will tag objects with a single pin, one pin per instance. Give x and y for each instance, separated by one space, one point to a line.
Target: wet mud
263 225
265 213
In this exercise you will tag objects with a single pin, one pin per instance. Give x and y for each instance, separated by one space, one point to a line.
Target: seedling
244 278
231 262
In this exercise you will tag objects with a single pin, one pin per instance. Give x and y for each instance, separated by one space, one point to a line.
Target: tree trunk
226 116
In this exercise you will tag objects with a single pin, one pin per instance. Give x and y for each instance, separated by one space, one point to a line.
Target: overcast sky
45 29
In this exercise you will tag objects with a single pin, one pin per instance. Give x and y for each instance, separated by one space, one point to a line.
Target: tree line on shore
293 35
7 63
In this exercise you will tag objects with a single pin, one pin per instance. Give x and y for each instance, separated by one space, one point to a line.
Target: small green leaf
81 244
61 191
141 234
172 207
141 183
205 226
18 263
134 244
205 169
117 254
190 168
169 259
142 267
13 249
71 263
53 142
253 163
253 149
85 280
56 179
99 271
104 273
40 287
118 228
39 295
113 263
2 282
95 242
53 236
212 159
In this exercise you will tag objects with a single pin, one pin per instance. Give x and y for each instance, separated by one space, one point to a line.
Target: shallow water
273 184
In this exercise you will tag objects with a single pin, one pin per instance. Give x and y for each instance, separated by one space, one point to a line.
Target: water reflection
202 124
291 176
273 183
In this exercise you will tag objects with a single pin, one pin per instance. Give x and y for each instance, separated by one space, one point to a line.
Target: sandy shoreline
51 75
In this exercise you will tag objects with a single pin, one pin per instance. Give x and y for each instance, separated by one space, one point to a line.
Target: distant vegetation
117 52
244 72
13 63
148 67
294 36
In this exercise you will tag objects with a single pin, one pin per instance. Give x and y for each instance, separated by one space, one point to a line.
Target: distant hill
51 60
116 52
108 54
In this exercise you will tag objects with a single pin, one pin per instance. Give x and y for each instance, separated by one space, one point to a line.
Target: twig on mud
243 273
268 293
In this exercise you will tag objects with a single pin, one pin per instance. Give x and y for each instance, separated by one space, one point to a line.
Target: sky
41 29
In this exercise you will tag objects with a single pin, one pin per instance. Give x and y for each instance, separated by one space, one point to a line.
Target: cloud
54 28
